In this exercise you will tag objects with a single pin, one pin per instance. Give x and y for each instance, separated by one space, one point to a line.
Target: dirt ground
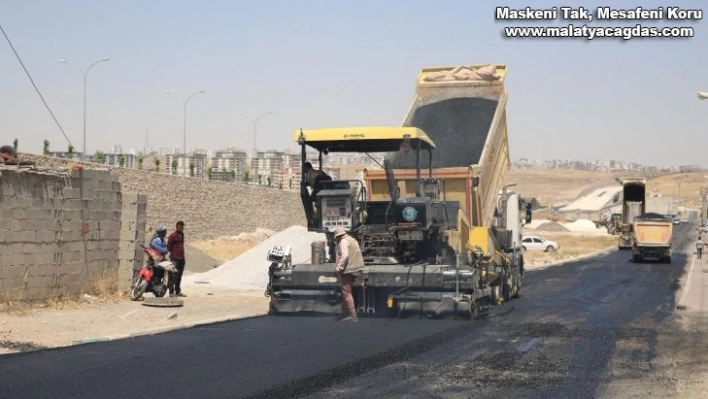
553 186
93 319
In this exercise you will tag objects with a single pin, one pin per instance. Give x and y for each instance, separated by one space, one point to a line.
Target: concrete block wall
132 234
62 231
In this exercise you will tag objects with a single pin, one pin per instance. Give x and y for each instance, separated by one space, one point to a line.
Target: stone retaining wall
209 209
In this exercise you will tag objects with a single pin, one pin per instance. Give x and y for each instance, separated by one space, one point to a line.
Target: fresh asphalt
290 356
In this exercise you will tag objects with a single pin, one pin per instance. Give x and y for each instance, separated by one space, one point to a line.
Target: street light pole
85 75
184 139
255 125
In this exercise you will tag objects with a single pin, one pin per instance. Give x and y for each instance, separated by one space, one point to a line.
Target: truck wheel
516 287
473 311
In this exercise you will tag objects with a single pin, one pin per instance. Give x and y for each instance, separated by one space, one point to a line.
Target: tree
71 151
191 169
291 183
45 150
157 164
14 144
121 160
174 166
246 176
269 181
233 175
210 172
140 162
280 186
100 157
260 179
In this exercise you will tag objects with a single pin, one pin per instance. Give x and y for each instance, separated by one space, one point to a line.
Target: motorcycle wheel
138 289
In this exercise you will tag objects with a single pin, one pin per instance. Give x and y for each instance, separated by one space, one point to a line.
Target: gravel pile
249 271
552 227
581 225
457 126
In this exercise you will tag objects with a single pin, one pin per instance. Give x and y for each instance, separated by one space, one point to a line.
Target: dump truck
652 238
614 223
633 206
439 233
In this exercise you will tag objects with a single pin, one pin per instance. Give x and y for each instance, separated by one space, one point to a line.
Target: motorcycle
154 276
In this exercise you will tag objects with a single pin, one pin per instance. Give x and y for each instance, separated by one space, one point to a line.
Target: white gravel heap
249 271
581 225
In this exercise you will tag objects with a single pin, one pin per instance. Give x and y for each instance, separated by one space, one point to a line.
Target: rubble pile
249 271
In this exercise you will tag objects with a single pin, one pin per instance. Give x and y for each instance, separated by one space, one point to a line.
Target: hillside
558 186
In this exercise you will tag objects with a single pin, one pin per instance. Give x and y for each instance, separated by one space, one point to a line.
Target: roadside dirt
93 319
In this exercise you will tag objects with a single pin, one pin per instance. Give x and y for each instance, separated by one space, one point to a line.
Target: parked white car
536 243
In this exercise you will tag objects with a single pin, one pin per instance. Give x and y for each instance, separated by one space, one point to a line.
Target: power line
35 86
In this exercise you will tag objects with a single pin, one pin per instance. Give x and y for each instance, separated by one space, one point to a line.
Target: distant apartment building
286 178
689 168
66 155
263 164
194 164
122 160
228 165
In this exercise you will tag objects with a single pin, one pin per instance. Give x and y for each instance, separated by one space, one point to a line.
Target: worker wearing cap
350 262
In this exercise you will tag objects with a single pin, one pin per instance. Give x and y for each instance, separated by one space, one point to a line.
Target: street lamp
255 125
85 74
703 95
184 142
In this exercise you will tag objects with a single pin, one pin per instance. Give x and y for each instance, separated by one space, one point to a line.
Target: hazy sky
318 63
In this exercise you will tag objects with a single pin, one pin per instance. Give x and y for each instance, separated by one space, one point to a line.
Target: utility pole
704 204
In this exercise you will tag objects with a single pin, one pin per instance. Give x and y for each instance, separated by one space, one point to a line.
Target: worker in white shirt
350 262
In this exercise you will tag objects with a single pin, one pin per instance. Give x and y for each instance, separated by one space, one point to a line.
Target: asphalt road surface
603 327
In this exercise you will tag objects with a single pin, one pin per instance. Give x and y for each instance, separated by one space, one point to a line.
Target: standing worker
350 262
175 244
699 247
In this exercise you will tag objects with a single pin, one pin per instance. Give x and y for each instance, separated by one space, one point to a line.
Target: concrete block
71 193
108 195
126 253
12 272
18 213
9 202
44 236
40 202
17 237
24 202
75 173
70 225
113 225
127 235
113 206
7 188
113 235
74 204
